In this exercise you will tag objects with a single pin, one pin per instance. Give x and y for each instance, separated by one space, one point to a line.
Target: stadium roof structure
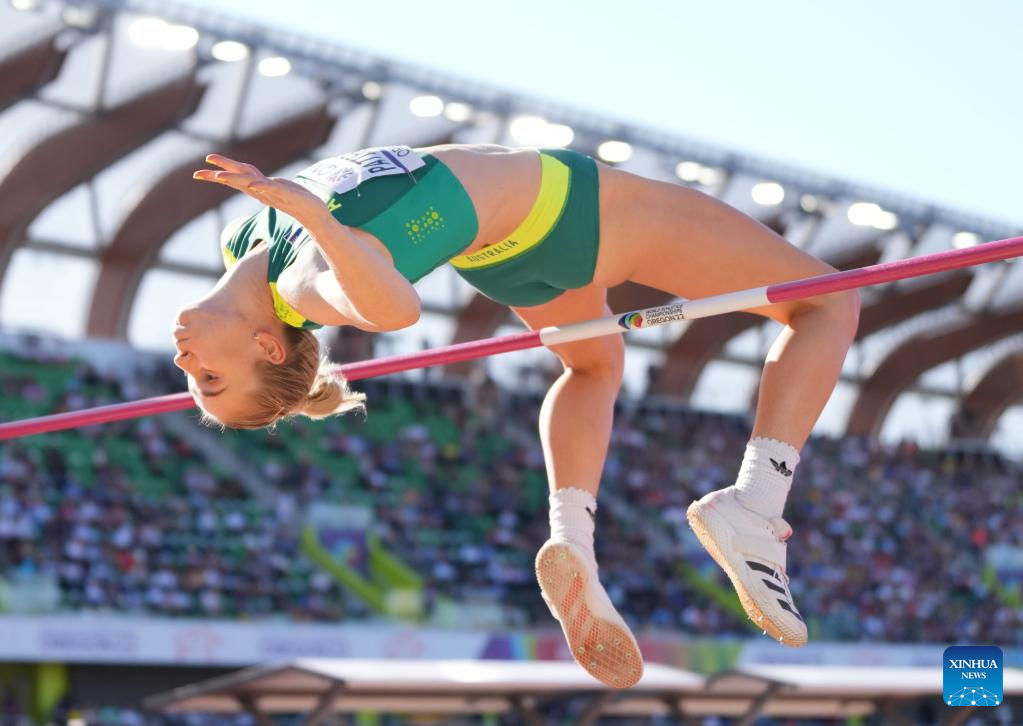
107 105
321 687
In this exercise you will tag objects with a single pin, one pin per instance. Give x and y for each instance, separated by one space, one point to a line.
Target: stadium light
371 90
558 135
79 17
961 240
886 220
158 33
229 51
457 112
615 151
863 213
711 176
527 129
426 106
24 4
536 131
688 171
768 194
693 172
275 66
809 203
868 214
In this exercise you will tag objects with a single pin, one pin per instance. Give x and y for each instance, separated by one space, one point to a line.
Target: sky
923 98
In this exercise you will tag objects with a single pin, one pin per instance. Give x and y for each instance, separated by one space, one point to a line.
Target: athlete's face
218 352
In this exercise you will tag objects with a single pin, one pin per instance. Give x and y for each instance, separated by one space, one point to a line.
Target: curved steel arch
895 307
30 68
989 398
172 201
919 354
76 154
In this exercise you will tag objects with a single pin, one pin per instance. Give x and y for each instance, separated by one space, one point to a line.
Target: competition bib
343 173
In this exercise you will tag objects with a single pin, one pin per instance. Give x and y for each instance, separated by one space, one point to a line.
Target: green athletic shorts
554 249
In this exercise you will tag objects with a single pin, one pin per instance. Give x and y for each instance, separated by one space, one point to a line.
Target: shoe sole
698 514
603 648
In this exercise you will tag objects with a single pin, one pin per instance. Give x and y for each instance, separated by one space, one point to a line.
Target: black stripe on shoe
763 568
774 587
786 606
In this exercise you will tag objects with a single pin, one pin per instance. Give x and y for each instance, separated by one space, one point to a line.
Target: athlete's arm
369 292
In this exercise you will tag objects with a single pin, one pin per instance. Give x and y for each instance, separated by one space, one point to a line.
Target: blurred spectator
889 542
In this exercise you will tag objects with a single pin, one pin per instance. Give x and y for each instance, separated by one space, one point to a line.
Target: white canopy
323 686
406 685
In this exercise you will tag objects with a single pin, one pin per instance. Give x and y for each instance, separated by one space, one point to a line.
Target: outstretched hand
282 194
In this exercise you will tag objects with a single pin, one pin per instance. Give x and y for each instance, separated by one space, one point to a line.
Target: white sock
573 517
766 476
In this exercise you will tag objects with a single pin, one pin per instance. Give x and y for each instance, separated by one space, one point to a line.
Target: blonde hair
306 384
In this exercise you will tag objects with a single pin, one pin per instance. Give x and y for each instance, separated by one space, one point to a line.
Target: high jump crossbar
558 334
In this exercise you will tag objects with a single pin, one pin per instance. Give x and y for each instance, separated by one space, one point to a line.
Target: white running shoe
598 637
750 548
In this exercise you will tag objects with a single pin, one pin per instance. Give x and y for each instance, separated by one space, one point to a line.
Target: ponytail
330 395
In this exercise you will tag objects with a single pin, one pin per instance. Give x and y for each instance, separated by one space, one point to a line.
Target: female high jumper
546 232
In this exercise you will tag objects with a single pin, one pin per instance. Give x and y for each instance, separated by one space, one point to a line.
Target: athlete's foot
750 548
598 637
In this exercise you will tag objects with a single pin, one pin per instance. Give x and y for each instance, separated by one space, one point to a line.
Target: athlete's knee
602 357
845 307
842 310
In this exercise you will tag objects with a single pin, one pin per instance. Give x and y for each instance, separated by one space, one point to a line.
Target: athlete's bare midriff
503 184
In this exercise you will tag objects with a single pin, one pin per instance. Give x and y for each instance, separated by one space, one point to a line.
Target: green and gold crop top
413 204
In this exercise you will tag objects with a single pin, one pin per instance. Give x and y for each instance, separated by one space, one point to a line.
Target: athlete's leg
575 429
684 242
575 420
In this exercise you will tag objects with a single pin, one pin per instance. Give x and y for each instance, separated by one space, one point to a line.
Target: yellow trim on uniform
284 311
229 258
555 177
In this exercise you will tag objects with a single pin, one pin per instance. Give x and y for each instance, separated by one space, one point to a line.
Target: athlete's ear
272 346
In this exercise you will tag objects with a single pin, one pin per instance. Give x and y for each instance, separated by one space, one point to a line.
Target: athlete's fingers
213 175
237 180
204 174
272 191
230 164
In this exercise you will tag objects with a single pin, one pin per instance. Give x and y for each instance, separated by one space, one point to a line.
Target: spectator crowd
890 542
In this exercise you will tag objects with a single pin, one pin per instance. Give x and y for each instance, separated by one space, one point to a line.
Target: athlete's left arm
370 292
